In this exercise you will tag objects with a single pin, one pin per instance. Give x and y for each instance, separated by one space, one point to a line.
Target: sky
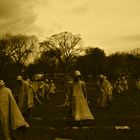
112 25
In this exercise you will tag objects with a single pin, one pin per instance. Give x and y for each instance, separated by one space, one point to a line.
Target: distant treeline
61 53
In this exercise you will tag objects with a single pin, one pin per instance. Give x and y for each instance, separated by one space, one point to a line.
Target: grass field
50 120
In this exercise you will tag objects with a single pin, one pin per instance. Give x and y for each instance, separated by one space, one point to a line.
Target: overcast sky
112 25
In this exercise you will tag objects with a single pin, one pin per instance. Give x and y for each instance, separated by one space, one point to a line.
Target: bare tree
18 47
135 52
66 46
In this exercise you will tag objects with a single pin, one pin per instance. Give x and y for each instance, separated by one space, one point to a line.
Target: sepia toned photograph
69 70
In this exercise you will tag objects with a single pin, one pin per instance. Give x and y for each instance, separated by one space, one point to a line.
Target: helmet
2 83
46 80
101 76
19 77
77 73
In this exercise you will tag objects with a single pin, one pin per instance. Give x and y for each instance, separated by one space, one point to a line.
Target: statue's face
76 78
101 80
19 82
1 86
